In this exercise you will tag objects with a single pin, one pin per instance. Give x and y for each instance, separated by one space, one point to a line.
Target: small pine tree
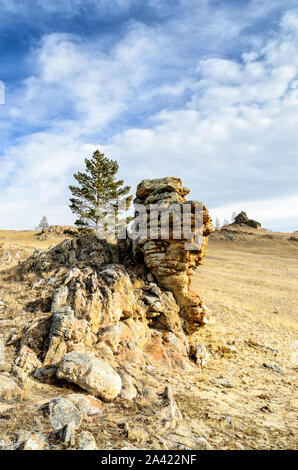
43 224
217 223
97 191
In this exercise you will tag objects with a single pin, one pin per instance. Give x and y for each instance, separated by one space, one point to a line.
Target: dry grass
250 287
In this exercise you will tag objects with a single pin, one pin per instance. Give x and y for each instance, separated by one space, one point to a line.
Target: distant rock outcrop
242 219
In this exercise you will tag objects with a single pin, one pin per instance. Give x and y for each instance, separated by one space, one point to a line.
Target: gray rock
62 413
35 442
273 367
226 383
59 298
128 391
87 404
91 374
68 434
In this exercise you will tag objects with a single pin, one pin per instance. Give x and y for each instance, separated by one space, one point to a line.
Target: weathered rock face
170 259
106 305
242 219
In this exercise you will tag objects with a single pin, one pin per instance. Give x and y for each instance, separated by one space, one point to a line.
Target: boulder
91 374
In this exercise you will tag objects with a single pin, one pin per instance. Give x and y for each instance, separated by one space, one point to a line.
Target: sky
204 90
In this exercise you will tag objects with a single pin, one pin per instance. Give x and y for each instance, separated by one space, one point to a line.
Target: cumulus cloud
160 103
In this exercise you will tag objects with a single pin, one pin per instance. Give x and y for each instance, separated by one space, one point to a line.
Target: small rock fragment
9 390
87 404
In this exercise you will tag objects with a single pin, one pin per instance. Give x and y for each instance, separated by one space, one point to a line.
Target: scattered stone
67 434
59 298
267 409
20 374
91 374
128 391
202 444
170 413
5 366
9 390
87 404
38 284
62 413
273 367
226 383
86 441
6 444
199 354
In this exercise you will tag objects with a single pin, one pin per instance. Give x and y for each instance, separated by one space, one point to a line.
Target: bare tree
43 224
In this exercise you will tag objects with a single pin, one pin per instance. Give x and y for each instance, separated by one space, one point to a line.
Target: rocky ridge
105 309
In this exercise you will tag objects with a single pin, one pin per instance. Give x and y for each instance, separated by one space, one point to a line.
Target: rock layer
171 260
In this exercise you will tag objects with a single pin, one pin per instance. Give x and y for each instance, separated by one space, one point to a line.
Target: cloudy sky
206 90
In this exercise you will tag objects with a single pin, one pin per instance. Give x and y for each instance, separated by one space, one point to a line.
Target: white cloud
230 130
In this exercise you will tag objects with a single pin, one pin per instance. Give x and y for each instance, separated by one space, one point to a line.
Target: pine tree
217 223
99 199
43 224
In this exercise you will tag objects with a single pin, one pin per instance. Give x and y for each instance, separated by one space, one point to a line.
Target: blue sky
206 90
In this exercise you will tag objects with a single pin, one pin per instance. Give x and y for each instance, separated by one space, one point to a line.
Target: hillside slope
245 397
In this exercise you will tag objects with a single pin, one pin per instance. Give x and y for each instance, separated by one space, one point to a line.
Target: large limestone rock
92 374
171 260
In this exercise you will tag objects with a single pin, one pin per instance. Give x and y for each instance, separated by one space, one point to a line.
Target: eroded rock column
170 258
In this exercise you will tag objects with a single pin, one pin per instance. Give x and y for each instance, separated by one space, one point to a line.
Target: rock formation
108 305
168 259
242 219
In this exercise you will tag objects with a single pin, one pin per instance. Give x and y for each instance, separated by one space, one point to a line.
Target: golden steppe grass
250 285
